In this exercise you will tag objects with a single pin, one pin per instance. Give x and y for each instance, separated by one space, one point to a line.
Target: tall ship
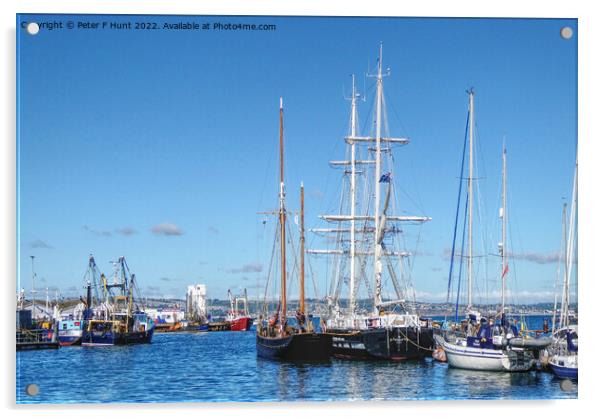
492 343
277 338
368 249
120 319
239 319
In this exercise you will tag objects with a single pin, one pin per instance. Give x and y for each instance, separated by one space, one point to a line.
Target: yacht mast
504 222
564 318
302 255
560 257
282 221
352 200
377 262
33 289
470 197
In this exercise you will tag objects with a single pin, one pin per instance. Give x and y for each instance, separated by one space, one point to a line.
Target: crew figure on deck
300 317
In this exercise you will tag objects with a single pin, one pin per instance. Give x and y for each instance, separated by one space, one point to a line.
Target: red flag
505 270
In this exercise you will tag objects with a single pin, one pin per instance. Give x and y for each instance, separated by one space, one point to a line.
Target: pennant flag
505 270
385 178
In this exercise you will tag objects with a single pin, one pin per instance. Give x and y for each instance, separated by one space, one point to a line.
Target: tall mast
470 198
377 263
33 289
560 257
564 318
302 255
503 216
352 199
282 220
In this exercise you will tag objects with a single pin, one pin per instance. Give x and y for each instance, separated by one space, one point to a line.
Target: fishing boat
239 320
563 353
32 331
390 329
119 320
71 327
482 344
276 339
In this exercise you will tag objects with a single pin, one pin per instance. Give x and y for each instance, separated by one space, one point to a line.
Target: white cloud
166 229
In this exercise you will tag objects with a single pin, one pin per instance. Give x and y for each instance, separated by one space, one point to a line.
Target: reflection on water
223 366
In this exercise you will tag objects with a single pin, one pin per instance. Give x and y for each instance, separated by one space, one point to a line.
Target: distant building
166 315
196 306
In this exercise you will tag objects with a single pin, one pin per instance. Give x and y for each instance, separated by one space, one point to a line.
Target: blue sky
161 145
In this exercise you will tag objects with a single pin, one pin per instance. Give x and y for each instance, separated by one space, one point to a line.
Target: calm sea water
223 366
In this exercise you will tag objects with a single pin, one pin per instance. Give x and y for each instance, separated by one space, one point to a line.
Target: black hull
398 343
395 344
37 346
99 339
306 347
349 345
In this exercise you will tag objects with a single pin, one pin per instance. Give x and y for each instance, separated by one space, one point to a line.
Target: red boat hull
241 324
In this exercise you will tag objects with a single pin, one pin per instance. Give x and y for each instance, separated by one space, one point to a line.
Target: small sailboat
564 350
119 320
276 338
391 330
239 320
485 345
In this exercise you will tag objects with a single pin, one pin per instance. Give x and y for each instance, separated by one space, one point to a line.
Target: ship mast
302 255
377 262
282 219
470 197
33 288
352 200
560 257
504 223
566 300
379 228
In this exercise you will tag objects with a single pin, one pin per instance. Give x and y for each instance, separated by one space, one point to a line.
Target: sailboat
276 339
119 319
564 350
391 330
486 345
239 320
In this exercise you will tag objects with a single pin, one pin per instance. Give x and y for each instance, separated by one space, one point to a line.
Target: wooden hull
306 347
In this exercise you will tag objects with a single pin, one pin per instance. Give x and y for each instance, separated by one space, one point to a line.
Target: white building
167 316
196 306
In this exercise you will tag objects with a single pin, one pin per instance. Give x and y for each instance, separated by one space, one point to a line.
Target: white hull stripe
472 353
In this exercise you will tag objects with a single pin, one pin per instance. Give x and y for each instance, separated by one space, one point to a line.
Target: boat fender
530 342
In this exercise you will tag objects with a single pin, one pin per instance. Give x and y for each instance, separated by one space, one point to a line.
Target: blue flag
385 178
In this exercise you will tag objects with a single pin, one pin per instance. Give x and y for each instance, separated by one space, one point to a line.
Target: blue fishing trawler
120 320
70 328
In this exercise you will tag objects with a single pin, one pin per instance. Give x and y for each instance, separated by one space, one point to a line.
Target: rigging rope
461 256
453 250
